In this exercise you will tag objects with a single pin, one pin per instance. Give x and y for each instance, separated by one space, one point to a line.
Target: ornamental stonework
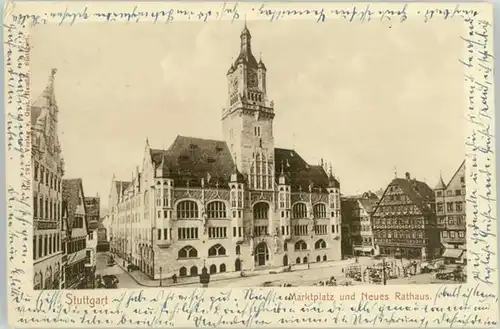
261 196
300 197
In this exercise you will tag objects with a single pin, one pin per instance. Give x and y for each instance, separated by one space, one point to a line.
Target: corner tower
247 120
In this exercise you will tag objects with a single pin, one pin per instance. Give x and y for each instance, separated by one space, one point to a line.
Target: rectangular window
449 206
239 231
452 234
461 234
444 234
159 234
165 233
234 231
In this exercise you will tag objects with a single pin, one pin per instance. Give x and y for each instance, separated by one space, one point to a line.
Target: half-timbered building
404 221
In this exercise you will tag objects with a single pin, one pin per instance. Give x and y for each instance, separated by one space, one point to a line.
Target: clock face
252 79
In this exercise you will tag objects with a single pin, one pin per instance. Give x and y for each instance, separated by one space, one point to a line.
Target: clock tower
247 120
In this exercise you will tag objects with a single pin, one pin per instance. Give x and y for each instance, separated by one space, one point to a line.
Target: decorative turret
332 181
236 176
440 185
283 179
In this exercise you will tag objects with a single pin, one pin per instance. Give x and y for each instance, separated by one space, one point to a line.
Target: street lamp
160 275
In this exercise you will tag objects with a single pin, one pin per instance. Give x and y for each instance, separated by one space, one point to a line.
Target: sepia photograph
247 154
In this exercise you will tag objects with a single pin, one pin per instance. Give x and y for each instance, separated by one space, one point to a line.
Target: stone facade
450 210
404 221
230 205
47 168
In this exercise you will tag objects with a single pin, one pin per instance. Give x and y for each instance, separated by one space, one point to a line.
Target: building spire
49 91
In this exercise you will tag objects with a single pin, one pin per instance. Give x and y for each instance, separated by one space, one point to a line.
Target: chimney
408 177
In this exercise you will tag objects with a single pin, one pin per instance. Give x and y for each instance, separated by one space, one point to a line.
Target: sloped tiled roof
368 204
419 192
298 171
70 188
191 159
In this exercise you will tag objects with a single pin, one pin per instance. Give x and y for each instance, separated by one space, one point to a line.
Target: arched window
318 258
261 210
188 252
193 271
297 260
238 250
320 244
324 258
216 209
222 268
213 269
187 210
300 245
299 210
319 210
216 250
305 260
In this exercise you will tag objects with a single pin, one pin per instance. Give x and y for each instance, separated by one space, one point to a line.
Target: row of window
43 175
450 206
46 209
453 234
450 193
193 271
396 209
219 232
261 174
399 234
452 220
219 250
45 245
399 221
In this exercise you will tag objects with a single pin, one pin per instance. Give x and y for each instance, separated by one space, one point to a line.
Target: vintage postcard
250 165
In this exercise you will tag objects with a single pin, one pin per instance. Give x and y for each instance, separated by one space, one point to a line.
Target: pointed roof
47 98
419 193
246 56
70 188
440 185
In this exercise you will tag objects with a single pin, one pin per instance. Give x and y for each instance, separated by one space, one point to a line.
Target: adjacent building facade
356 211
232 204
450 210
48 170
404 221
76 224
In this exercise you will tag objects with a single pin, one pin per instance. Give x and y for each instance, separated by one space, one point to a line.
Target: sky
373 101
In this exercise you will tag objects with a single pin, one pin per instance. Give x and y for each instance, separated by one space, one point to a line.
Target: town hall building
234 204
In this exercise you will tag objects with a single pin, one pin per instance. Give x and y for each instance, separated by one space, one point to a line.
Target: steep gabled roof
193 159
70 188
298 171
456 172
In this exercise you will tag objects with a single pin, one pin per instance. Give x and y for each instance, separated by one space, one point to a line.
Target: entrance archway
261 254
237 265
285 260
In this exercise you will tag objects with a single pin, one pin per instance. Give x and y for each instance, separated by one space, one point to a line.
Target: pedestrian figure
174 278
